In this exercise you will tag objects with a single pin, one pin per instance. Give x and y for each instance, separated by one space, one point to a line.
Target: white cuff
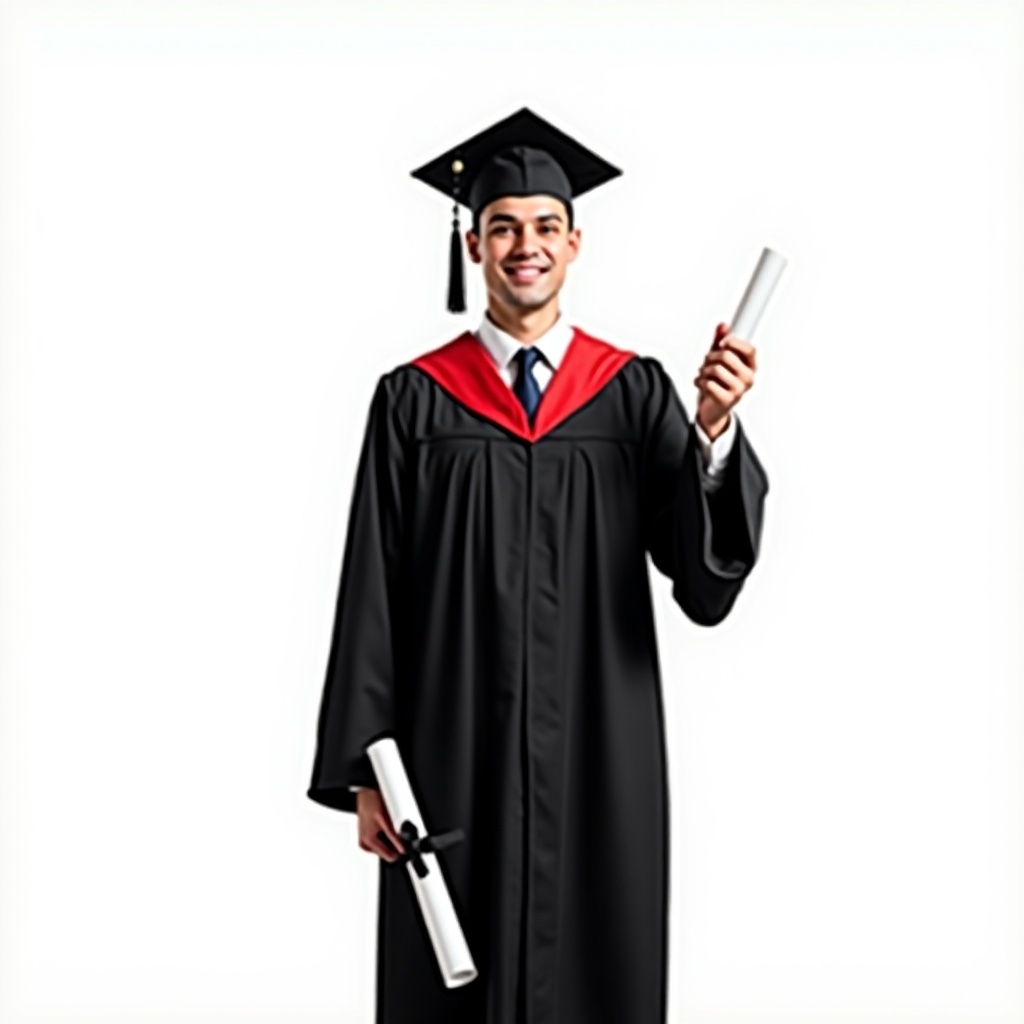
716 453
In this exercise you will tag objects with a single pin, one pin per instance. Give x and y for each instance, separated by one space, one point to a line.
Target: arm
357 705
705 541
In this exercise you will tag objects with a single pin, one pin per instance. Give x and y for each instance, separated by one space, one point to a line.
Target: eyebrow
515 220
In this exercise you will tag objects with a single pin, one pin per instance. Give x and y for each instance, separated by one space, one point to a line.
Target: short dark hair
568 207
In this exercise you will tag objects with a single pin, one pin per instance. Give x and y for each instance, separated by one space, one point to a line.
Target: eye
547 227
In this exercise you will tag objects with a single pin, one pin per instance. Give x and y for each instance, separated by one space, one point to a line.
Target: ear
575 237
473 246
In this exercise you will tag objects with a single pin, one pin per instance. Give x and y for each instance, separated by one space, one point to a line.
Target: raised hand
726 374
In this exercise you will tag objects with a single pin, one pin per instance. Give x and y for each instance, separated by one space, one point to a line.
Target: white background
210 249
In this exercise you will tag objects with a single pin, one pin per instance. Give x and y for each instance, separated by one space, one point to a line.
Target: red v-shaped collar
465 369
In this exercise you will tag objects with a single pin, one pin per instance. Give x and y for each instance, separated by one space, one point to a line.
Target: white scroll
766 275
450 947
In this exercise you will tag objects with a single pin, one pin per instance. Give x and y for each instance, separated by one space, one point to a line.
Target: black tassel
456 274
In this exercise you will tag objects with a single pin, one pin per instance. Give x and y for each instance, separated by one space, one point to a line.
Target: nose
526 242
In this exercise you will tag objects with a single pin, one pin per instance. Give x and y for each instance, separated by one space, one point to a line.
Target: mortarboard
521 155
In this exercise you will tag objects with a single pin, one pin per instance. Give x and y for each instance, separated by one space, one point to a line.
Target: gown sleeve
705 542
357 705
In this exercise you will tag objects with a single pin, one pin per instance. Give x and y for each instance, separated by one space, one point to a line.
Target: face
525 247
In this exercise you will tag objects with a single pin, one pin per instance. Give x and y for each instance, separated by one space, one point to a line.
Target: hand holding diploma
418 853
726 374
728 369
376 829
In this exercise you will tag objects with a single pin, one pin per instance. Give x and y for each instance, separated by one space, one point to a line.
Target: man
494 613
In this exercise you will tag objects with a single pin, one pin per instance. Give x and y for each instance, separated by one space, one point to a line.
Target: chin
529 300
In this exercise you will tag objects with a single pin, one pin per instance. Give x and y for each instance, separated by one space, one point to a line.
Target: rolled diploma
450 947
759 291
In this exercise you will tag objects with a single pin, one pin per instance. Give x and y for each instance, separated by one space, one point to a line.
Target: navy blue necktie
525 385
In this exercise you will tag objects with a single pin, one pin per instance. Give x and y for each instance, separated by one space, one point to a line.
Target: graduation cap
521 155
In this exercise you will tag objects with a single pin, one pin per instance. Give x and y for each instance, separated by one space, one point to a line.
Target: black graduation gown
494 616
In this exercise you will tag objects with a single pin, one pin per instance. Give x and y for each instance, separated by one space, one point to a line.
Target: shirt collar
502 347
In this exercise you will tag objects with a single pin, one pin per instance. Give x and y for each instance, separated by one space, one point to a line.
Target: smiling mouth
525 273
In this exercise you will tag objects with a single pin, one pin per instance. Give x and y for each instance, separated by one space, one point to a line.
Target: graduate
494 611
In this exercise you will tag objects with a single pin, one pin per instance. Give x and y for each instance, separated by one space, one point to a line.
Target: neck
526 326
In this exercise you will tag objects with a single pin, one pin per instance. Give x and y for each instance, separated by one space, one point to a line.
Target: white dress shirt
502 347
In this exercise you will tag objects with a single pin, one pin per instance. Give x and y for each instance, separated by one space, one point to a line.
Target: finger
374 845
734 362
745 349
713 391
725 376
700 382
384 852
381 847
719 394
395 837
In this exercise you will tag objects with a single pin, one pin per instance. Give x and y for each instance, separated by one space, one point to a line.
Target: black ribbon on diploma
416 845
